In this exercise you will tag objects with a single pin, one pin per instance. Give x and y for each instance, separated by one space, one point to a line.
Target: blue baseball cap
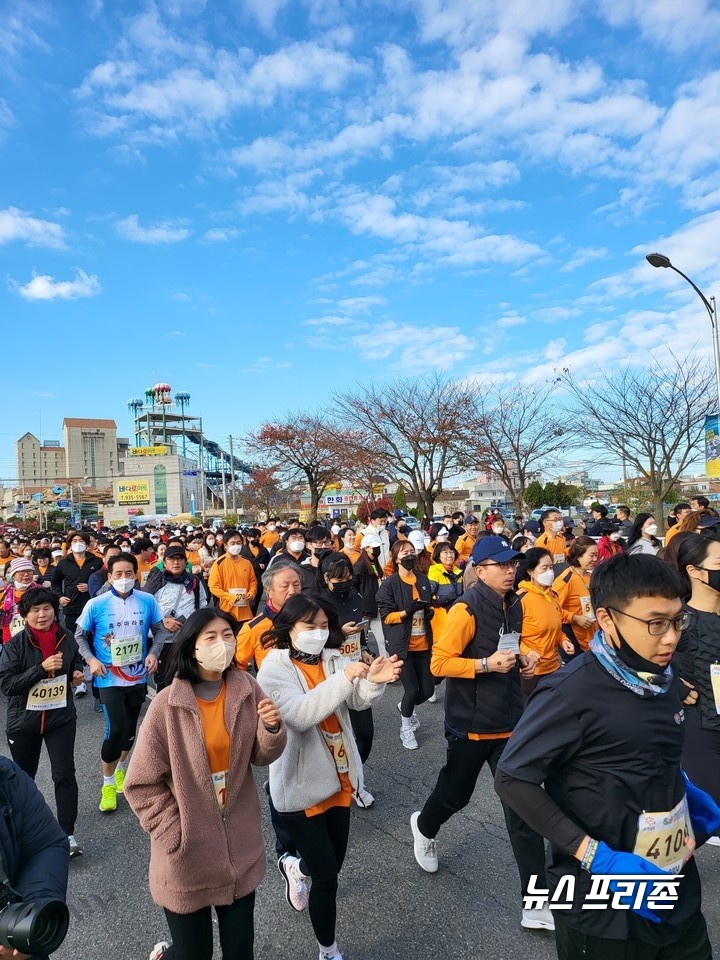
493 548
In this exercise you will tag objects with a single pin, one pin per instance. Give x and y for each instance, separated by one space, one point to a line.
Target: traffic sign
62 504
36 496
190 473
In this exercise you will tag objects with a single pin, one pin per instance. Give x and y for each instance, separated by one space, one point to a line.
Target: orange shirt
541 626
217 740
675 528
447 654
418 641
229 574
554 545
314 674
573 592
352 554
269 539
248 645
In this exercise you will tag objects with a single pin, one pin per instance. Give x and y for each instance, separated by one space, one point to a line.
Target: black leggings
418 683
321 843
701 755
121 706
25 750
192 933
364 730
692 943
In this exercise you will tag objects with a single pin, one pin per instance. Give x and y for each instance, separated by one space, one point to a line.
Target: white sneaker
425 849
160 950
713 841
540 919
75 849
413 719
336 955
363 798
81 690
296 891
407 738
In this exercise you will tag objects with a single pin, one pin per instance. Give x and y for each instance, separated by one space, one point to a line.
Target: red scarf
47 640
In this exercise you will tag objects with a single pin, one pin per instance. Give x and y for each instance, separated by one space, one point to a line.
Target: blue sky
261 201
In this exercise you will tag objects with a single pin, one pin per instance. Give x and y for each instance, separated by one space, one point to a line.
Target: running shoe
407 738
97 706
540 919
108 798
424 848
413 719
119 779
363 798
713 841
432 699
336 955
296 891
81 690
162 951
75 850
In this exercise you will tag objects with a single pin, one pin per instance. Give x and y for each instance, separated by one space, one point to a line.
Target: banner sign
712 448
159 451
136 492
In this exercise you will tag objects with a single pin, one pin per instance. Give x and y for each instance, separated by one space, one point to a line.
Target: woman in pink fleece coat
191 786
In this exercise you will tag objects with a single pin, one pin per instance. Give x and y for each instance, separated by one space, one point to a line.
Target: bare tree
414 427
518 429
653 416
299 447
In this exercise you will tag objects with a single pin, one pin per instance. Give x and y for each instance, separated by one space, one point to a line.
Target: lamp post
136 404
660 260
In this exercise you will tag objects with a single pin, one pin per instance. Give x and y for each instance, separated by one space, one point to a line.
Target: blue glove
704 812
609 862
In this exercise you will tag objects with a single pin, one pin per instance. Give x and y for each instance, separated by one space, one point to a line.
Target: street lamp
660 260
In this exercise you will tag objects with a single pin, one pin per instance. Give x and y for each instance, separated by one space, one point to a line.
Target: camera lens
34 928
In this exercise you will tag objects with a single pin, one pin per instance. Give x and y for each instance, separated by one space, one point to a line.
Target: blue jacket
33 847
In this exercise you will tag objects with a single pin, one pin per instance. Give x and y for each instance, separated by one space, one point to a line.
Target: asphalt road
388 908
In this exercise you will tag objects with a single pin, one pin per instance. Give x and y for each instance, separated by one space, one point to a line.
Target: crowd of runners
580 662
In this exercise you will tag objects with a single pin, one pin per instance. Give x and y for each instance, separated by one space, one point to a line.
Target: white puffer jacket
305 774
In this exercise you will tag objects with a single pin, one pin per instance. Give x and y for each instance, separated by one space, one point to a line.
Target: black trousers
121 706
692 944
25 750
418 683
161 680
454 789
321 843
701 755
283 840
364 730
192 933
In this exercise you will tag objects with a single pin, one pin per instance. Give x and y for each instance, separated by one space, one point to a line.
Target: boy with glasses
478 652
594 766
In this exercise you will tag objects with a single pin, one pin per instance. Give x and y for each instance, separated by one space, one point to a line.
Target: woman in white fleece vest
312 783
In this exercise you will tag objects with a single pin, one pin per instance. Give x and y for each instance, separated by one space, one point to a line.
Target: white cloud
412 348
353 305
266 363
17 225
677 26
164 232
265 11
583 256
220 235
45 287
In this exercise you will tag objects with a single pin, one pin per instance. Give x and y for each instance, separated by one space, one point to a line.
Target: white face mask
271 528
79 547
497 529
614 537
558 525
19 585
545 579
154 539
334 530
216 656
651 529
311 641
124 584
296 546
125 549
27 553
234 549
442 536
210 541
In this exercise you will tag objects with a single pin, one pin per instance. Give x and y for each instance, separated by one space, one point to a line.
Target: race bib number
127 652
509 643
143 577
336 746
666 839
16 624
351 647
48 694
558 558
219 781
586 609
715 680
418 624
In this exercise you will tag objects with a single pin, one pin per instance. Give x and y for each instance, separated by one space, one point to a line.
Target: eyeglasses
660 626
505 566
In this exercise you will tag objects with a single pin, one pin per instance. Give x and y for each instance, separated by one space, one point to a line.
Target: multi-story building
92 452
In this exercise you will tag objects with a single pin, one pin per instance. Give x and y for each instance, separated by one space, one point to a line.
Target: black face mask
713 579
408 562
342 589
633 659
376 552
255 542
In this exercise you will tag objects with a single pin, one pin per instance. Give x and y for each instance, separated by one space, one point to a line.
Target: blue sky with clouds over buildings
261 201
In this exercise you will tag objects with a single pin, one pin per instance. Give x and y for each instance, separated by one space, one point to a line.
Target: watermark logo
608 892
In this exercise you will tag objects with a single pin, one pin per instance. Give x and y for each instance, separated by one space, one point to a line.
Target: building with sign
156 481
91 452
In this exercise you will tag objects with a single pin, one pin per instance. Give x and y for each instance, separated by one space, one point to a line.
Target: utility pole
224 485
202 473
232 477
